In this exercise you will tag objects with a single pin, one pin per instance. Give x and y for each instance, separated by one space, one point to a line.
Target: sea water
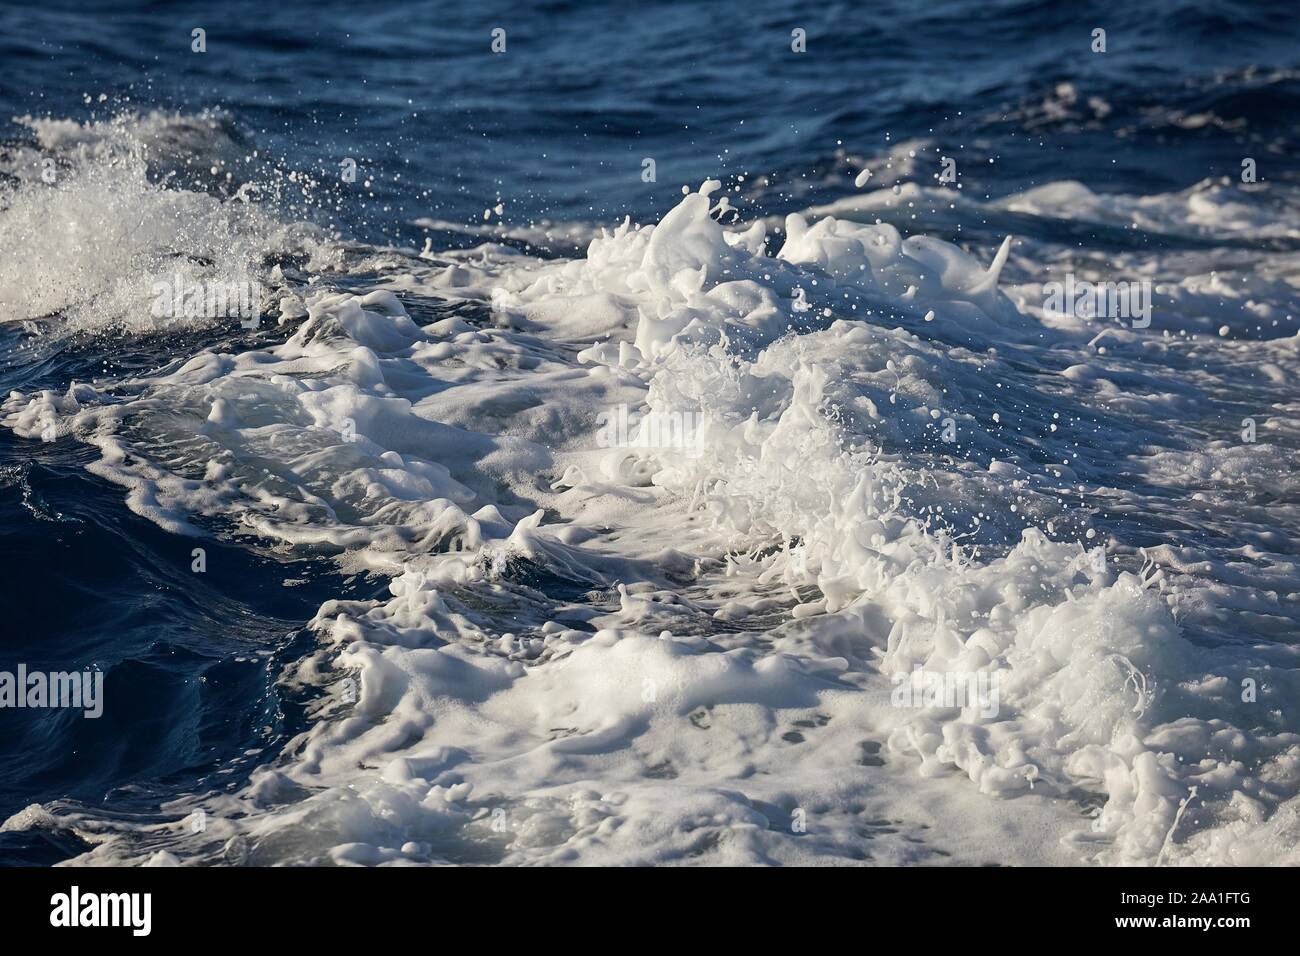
770 502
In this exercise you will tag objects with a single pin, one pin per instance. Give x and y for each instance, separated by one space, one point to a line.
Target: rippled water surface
442 616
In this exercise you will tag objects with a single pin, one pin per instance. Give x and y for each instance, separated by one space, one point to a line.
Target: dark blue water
559 124
556 128
190 659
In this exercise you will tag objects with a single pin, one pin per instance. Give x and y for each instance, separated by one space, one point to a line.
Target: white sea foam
94 226
653 653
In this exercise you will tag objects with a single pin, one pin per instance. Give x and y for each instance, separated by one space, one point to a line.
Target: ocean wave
667 526
98 217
